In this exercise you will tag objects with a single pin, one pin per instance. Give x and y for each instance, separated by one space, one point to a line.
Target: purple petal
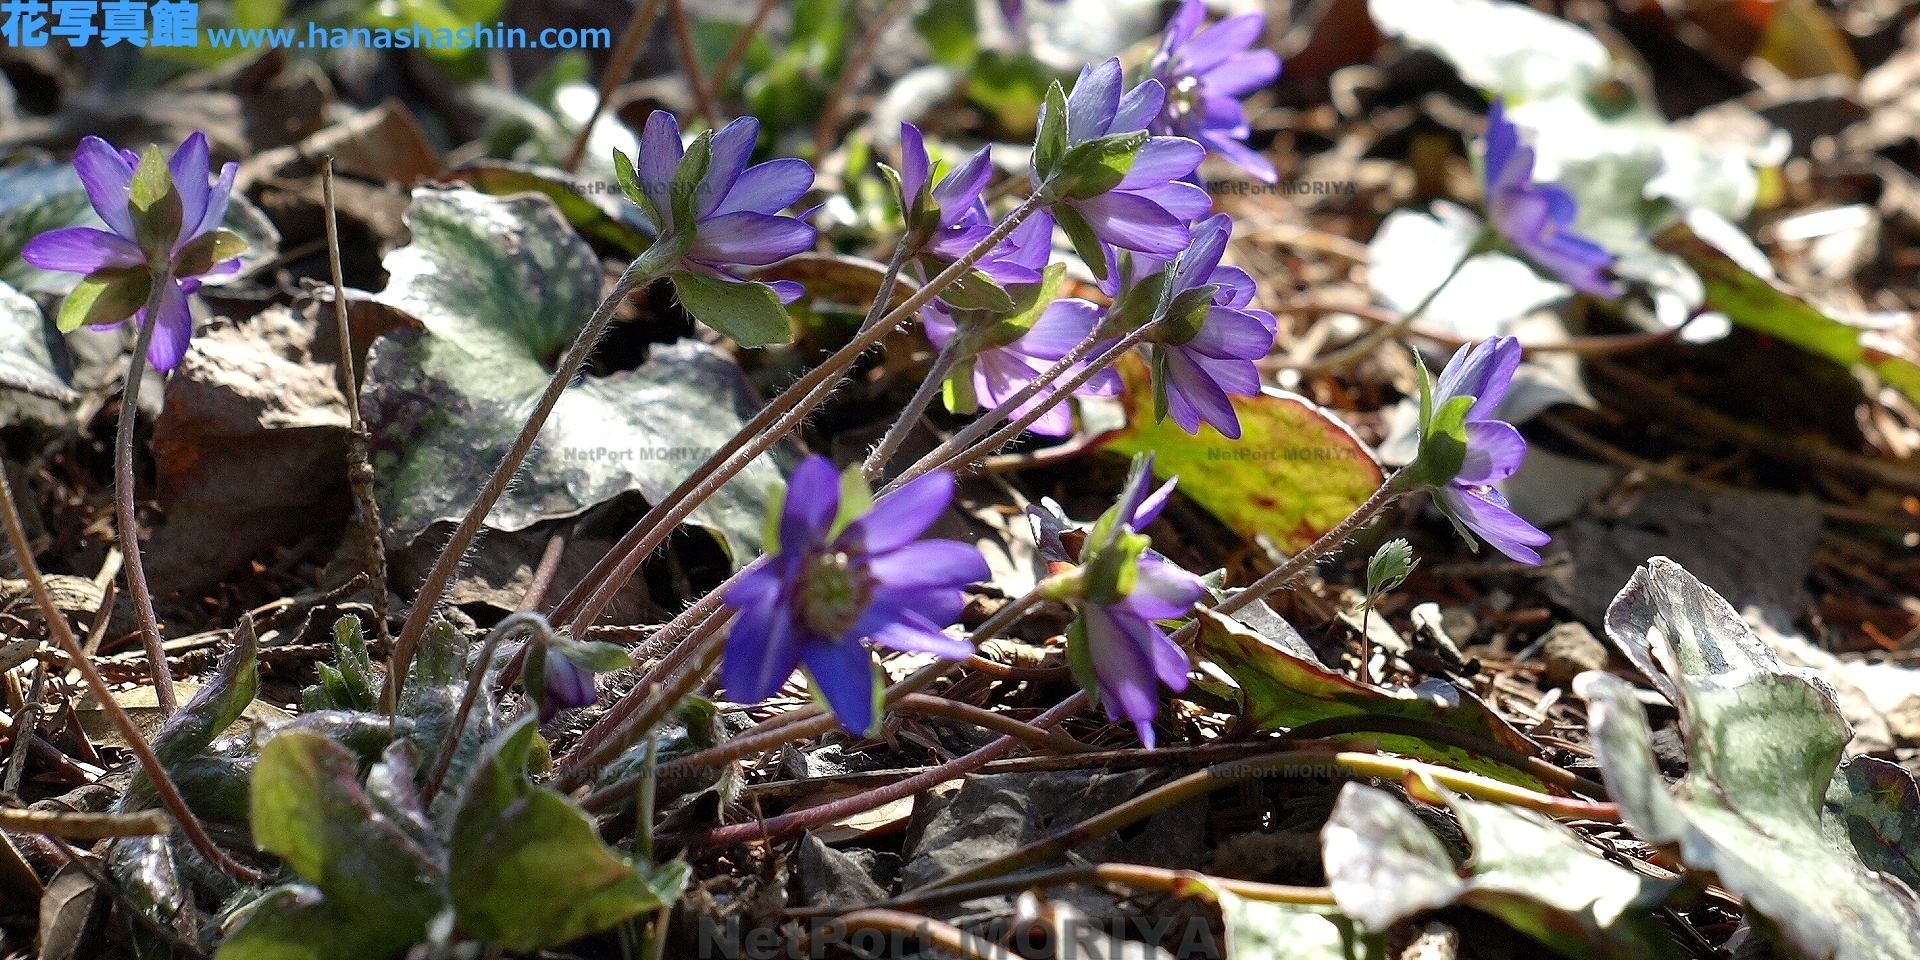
1196 263
81 250
762 650
1124 666
1494 451
1163 591
107 176
727 155
750 239
189 170
1240 156
1139 107
913 165
1501 140
660 154
1094 102
1180 27
218 196
1485 512
1231 334
813 498
1243 73
1151 505
1189 386
1220 41
1483 372
569 686
768 187
899 518
843 673
929 563
936 606
173 331
1161 160
1063 325
916 635
787 290
960 190
1134 222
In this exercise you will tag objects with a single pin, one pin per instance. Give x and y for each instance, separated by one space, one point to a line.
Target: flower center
833 594
1184 99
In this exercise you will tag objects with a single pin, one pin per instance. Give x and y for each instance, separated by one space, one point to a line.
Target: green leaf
511 837
105 297
599 216
1765 742
1869 808
750 313
501 286
36 198
1538 877
1282 690
216 707
1086 243
1390 567
1758 304
1050 142
373 889
1294 474
1097 166
347 683
951 29
26 356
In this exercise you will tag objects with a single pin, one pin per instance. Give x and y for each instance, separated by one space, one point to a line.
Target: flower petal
173 330
1483 372
929 563
1191 386
959 190
916 635
813 499
762 650
899 518
188 168
913 164
1485 512
1063 325
750 239
1243 73
107 177
1139 107
1220 41
768 187
1494 451
1162 159
1124 667
1163 591
1134 222
660 154
843 673
81 250
218 197
1094 101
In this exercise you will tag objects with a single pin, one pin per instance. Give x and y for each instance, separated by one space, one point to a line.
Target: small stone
1904 721
1571 650
1460 624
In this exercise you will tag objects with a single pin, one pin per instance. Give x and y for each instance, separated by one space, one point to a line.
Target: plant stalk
164 697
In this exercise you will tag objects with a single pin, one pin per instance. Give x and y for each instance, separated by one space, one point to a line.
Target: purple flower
175 234
1538 218
1206 74
1001 371
836 578
1151 206
568 686
1209 350
735 208
952 218
1494 449
1129 655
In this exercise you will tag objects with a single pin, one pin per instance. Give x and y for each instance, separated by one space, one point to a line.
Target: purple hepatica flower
120 266
952 217
1202 357
1150 208
835 580
1000 372
568 686
1130 655
1538 217
1206 74
1494 449
735 207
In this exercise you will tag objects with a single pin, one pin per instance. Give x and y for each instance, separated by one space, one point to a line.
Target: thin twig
136 740
852 73
741 43
359 440
23 725
921 703
690 64
963 945
1137 876
71 825
618 65
164 699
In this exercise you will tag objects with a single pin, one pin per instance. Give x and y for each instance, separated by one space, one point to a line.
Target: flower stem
772 423
137 591
129 731
644 270
476 679
943 364
1358 350
1362 515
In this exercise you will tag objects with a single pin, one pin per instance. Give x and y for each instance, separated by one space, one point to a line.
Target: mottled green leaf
596 213
512 838
1280 689
35 198
1294 474
26 359
219 703
1758 304
1869 808
1765 742
1536 876
502 285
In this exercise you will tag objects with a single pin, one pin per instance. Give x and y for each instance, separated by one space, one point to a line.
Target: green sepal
688 181
977 291
770 524
203 252
1086 243
1095 167
595 655
957 390
750 313
856 499
1443 443
1110 560
1030 300
1137 305
1186 315
105 296
154 205
1050 141
1162 375
1080 660
630 184
533 674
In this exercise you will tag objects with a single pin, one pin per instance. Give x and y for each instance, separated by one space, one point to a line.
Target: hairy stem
649 267
943 364
137 590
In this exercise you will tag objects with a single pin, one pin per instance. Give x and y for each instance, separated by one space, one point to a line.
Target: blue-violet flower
1537 218
1205 74
735 208
1001 371
840 574
160 224
1493 449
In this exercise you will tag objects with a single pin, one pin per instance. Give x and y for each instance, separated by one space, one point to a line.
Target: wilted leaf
1538 877
502 285
1295 472
1765 742
1280 689
528 869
